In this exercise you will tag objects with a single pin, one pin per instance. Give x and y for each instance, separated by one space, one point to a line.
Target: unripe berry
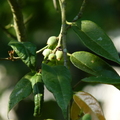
51 56
59 55
52 40
46 52
87 117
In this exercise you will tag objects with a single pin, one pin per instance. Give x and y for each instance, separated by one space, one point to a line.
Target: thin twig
4 59
5 29
63 31
17 58
18 19
9 26
79 15
13 59
7 32
28 19
55 5
76 85
41 49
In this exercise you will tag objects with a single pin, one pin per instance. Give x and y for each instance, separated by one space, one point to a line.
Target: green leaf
57 79
26 51
38 91
96 40
92 64
88 104
104 80
22 89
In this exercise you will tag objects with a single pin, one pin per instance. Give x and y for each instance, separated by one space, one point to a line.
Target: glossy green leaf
96 40
104 80
89 104
26 51
38 91
22 89
92 64
57 79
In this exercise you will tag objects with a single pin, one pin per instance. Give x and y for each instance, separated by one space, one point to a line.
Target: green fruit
59 55
87 117
51 56
46 52
52 40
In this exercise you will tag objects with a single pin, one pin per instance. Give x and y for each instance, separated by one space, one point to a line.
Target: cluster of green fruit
49 53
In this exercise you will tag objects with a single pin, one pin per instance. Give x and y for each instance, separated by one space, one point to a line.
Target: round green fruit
51 56
59 55
87 117
52 40
46 52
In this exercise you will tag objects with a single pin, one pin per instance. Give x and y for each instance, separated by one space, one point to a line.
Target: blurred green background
44 22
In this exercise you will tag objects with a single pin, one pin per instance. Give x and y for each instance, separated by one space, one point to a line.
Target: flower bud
51 56
52 40
46 52
59 55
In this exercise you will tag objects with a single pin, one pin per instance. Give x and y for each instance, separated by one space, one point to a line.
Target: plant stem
63 31
62 36
55 5
79 15
8 33
18 19
17 58
41 49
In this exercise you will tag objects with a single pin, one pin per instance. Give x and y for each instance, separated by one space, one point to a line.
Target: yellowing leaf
89 104
75 111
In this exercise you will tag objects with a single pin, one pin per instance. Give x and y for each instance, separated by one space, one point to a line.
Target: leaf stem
69 54
41 49
18 19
